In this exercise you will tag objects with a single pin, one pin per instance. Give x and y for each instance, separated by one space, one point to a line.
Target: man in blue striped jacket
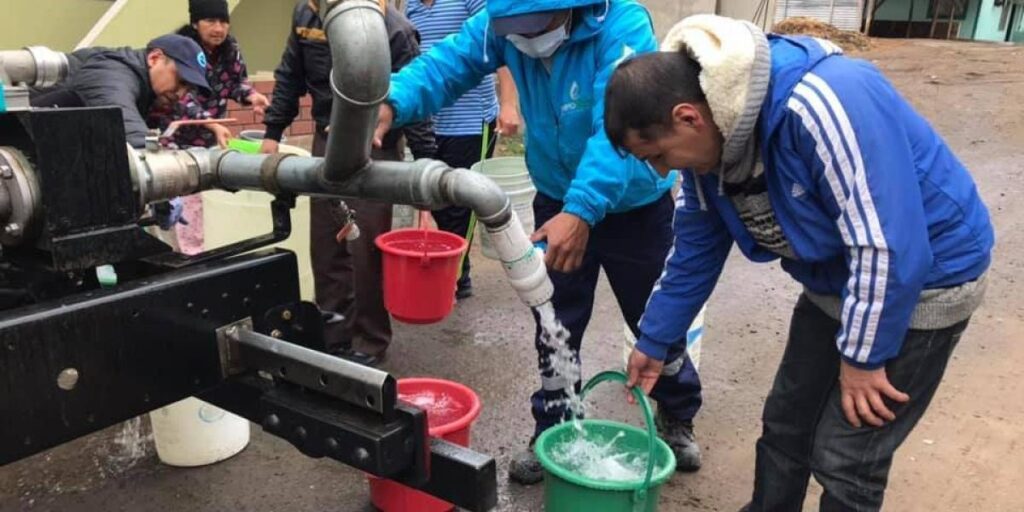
793 151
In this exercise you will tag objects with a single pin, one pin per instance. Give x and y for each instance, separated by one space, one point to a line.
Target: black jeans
460 151
805 432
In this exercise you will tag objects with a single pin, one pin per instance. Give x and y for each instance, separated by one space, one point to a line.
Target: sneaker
679 436
525 468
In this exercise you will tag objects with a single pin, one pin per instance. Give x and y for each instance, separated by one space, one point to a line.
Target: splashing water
441 407
132 444
561 362
586 454
591 457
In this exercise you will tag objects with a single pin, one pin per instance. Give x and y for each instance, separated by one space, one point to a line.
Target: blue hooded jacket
567 151
873 203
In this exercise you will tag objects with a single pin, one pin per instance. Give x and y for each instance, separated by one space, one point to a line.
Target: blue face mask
544 45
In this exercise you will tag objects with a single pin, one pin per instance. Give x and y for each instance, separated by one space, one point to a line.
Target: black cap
207 10
187 54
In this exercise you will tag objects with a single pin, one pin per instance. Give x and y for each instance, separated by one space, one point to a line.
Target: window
958 8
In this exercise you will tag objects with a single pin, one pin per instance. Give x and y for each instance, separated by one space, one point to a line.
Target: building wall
988 21
261 27
1018 31
64 23
843 14
899 10
967 29
747 9
667 12
980 23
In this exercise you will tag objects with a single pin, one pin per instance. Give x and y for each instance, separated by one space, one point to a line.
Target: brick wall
248 120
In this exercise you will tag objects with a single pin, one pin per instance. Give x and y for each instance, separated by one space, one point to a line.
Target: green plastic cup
244 146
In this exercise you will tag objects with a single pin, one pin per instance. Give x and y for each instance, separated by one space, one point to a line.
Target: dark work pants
805 432
460 151
347 276
631 247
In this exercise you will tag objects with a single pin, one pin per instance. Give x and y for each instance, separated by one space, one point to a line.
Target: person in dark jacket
133 80
210 25
347 276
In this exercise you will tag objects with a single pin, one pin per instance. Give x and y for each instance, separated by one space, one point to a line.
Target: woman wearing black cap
209 25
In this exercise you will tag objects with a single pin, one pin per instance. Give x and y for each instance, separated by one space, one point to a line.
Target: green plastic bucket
568 491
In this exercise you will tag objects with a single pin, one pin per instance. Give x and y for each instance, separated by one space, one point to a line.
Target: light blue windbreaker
567 151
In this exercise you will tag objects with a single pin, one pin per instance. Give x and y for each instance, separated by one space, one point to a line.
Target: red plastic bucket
451 410
420 272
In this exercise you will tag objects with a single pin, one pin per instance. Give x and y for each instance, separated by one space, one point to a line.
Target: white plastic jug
192 433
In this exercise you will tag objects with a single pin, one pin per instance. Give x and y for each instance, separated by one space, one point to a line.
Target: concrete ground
966 454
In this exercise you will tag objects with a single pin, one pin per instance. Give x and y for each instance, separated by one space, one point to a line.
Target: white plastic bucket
694 340
230 217
511 174
403 216
194 433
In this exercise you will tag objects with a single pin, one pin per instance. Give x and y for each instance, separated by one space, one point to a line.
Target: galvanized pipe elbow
477 192
360 82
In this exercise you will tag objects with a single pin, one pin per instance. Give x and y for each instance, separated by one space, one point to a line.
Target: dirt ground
967 454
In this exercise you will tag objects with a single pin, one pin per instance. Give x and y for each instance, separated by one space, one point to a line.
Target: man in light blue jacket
595 208
796 153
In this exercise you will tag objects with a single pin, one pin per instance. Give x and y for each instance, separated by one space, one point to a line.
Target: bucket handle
425 227
640 494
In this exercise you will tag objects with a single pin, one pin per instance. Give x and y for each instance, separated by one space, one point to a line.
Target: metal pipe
360 80
161 175
414 183
427 184
294 174
34 66
479 193
424 183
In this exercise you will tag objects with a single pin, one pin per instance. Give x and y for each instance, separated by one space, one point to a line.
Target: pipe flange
204 162
268 172
19 180
51 66
216 157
